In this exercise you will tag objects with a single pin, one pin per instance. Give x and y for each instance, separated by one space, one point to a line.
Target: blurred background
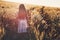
44 21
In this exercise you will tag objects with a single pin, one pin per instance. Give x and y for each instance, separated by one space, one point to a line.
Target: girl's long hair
21 6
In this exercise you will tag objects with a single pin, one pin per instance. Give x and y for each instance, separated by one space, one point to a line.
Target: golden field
44 21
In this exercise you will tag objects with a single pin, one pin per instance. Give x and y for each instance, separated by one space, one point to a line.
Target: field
44 22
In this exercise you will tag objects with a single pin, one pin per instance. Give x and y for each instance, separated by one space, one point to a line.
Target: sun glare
52 3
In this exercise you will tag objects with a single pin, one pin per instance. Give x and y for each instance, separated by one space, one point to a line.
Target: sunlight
52 3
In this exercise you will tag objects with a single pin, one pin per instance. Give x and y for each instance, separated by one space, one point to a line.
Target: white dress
22 25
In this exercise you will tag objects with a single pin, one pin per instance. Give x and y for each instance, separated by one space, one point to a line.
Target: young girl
22 25
22 19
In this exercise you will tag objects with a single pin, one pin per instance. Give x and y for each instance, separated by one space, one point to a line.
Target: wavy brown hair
22 7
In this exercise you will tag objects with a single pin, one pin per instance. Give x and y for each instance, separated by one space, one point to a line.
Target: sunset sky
52 3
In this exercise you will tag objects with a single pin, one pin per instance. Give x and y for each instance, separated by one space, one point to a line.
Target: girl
22 19
22 24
